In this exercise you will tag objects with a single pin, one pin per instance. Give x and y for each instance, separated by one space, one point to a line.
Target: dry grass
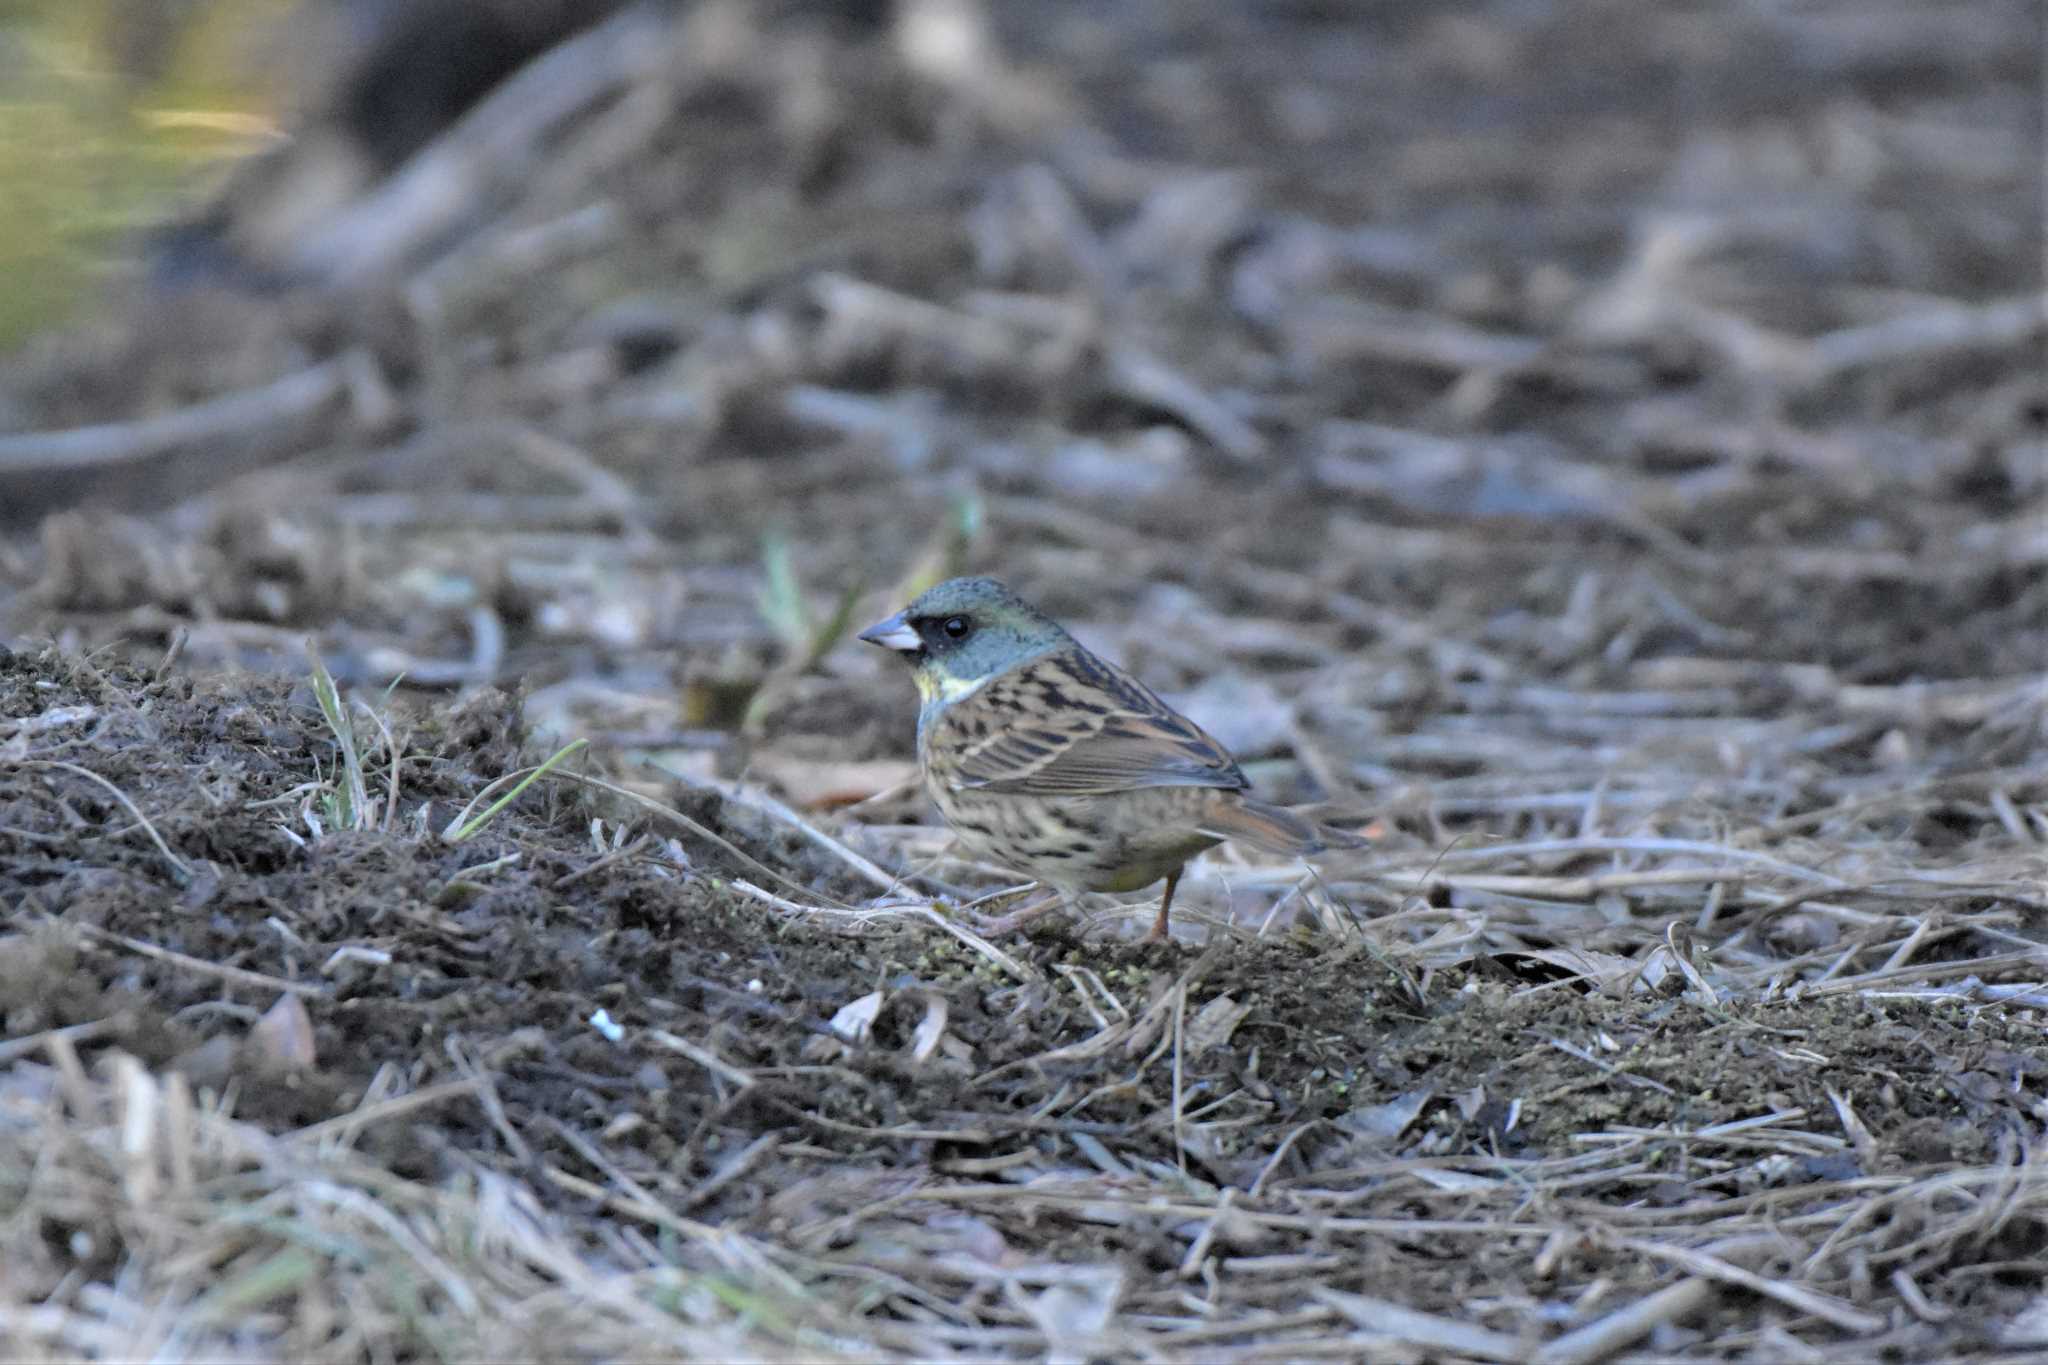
190 1235
231 1243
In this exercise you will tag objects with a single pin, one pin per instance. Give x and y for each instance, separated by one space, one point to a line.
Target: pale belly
1121 841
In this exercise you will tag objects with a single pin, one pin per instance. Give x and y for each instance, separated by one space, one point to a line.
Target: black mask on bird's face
965 630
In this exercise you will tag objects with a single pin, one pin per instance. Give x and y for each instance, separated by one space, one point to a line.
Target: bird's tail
1271 829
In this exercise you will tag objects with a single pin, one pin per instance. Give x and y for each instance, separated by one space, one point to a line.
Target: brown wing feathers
1267 828
1069 724
1091 730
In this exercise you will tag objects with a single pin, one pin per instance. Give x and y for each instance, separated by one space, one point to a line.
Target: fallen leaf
284 1035
855 1019
930 1030
1213 1024
816 785
1385 1122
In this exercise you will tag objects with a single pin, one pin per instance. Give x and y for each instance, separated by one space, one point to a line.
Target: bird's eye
955 627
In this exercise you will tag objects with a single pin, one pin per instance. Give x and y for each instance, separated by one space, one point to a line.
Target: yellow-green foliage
87 157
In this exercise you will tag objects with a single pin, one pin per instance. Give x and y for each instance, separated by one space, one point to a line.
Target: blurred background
1380 359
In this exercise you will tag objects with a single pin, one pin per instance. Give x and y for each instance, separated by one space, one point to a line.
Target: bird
1045 758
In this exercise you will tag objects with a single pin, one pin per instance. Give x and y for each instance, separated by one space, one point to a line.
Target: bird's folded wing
1092 752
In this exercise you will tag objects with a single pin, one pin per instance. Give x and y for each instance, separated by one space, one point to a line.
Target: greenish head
964 632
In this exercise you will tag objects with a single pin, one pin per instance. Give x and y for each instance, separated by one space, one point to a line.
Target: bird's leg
1159 934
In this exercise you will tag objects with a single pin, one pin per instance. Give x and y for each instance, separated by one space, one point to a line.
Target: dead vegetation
1600 452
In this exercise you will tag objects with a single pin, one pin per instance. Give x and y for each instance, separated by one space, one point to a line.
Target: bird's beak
894 633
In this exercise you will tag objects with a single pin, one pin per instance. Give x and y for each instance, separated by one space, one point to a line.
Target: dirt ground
1599 452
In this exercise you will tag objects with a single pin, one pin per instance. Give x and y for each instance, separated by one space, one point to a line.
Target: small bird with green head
1046 759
